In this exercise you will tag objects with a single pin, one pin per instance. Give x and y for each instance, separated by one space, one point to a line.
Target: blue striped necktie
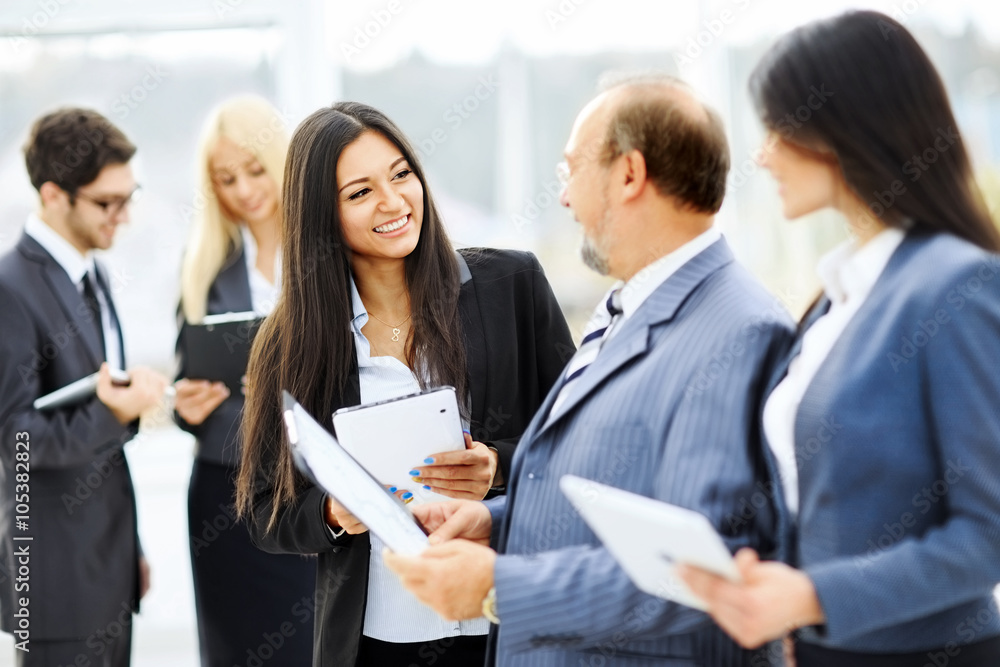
591 344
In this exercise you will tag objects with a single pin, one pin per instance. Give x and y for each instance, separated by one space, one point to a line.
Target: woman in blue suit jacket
884 430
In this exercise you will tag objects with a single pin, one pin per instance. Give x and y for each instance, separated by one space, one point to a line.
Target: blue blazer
668 410
897 442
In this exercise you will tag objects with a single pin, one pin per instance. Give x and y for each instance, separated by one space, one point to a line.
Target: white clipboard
320 457
390 438
648 537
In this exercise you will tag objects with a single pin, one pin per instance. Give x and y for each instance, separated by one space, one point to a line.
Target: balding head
682 140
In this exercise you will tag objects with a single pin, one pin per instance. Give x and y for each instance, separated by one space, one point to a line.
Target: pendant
395 334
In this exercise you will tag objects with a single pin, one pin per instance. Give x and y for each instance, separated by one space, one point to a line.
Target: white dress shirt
848 273
77 266
392 613
263 293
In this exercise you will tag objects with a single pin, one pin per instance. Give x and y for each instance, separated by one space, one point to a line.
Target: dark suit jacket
83 558
517 344
897 444
219 435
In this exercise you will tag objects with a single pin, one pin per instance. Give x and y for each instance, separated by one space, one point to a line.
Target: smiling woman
362 237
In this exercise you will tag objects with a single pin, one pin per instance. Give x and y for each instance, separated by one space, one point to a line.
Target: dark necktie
589 347
94 306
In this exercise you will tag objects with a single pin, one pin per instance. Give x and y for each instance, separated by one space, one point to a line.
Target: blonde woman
249 603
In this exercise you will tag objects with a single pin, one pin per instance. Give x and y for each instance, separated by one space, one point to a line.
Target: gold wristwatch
490 606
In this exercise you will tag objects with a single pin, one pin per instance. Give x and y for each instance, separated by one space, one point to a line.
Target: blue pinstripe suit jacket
669 409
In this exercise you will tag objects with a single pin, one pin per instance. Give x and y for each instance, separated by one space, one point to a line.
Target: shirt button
531 475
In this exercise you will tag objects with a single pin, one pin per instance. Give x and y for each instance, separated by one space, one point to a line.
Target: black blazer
84 556
219 435
517 344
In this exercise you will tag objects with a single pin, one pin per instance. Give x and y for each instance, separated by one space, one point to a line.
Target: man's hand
466 474
451 578
772 600
466 519
338 517
197 399
145 577
128 403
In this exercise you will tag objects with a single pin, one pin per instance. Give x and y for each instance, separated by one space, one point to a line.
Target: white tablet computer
391 438
320 457
647 537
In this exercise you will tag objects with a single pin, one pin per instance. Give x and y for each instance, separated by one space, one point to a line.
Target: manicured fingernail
408 500
428 460
407 495
392 489
427 487
418 480
414 473
466 432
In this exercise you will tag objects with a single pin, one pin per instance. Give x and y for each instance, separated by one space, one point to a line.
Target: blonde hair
254 125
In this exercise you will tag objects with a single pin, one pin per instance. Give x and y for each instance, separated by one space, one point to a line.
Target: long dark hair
305 346
858 85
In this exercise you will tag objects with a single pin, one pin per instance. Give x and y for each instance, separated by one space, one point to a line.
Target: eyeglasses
111 206
562 174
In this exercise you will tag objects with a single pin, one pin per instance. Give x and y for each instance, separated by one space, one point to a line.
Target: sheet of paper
648 537
320 457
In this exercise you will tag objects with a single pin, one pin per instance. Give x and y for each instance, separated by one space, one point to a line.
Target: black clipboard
218 349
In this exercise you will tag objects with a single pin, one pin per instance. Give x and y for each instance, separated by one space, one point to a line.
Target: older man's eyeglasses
111 206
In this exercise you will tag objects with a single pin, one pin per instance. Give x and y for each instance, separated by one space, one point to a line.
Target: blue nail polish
466 432
414 473
392 489
407 495
427 487
428 460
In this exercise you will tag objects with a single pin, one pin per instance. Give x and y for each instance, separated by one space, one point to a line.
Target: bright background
486 91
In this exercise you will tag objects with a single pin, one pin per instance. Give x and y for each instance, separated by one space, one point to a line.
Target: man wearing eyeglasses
71 568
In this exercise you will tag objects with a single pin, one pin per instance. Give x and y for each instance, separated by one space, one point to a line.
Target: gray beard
593 258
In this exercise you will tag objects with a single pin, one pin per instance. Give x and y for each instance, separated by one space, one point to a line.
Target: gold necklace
395 329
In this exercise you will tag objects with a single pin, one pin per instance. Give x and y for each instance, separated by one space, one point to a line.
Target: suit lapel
70 299
102 275
632 340
786 523
475 343
231 288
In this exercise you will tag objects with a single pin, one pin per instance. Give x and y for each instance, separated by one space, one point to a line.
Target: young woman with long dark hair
884 429
376 303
